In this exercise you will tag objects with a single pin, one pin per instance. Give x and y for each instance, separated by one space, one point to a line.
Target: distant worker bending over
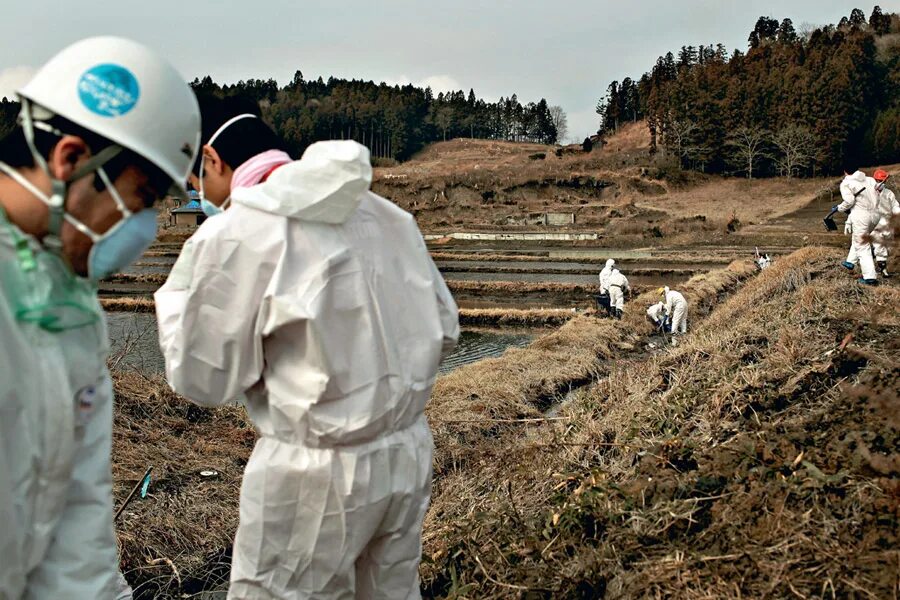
618 285
317 301
657 315
676 308
603 299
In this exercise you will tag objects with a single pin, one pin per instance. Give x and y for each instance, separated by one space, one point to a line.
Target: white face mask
122 243
209 209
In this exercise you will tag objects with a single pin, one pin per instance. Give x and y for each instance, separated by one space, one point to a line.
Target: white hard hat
127 94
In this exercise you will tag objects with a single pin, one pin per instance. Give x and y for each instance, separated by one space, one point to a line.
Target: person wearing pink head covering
315 303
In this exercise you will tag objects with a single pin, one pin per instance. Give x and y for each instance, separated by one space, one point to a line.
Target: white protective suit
604 275
57 538
861 200
657 312
676 306
888 207
318 300
618 283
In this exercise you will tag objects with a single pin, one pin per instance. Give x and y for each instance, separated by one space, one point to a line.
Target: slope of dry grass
759 459
468 403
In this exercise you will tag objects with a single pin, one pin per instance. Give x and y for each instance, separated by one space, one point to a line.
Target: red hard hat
880 175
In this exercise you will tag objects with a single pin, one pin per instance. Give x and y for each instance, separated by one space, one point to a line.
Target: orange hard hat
880 175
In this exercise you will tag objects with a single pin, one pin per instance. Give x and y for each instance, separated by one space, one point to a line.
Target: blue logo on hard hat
108 90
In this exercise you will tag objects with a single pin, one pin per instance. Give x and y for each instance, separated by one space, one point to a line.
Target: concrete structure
189 215
560 219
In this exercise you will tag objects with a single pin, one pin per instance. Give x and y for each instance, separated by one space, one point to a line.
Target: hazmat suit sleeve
448 312
892 200
81 561
849 192
12 583
207 318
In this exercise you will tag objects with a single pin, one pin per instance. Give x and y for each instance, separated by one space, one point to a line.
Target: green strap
24 253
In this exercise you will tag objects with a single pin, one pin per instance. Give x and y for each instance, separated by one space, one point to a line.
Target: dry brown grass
755 200
630 271
143 305
484 317
677 256
156 278
519 288
512 317
630 137
178 539
760 458
525 381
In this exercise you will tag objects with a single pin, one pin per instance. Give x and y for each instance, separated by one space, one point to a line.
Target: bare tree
678 138
796 146
558 116
444 119
748 145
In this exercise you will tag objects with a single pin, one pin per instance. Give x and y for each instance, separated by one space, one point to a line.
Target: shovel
830 225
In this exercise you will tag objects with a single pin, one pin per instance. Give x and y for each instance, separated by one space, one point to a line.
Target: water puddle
134 344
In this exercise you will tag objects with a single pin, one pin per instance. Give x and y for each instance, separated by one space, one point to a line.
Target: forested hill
794 103
393 121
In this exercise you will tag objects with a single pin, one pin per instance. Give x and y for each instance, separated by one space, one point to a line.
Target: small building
189 215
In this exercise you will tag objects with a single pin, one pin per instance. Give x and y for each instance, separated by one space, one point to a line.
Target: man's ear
212 160
67 156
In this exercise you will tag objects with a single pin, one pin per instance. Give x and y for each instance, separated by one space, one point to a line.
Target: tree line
795 103
394 121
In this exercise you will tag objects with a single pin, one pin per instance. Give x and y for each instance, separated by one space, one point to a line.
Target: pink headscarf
254 169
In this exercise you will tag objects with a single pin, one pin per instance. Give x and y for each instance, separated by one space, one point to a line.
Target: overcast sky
565 50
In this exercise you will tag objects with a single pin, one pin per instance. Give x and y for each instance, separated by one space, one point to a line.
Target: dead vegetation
631 272
512 317
178 539
760 458
123 304
483 317
523 382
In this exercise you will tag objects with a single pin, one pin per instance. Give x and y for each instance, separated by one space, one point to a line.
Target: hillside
619 191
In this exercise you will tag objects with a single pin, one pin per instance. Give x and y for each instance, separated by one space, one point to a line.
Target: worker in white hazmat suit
603 299
318 301
889 208
853 184
657 315
861 201
618 285
676 308
105 128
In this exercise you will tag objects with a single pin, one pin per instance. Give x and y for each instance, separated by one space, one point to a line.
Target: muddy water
133 341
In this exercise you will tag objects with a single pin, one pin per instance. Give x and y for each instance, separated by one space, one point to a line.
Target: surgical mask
118 246
121 244
43 290
210 209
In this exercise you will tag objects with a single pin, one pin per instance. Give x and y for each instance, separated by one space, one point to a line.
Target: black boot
881 266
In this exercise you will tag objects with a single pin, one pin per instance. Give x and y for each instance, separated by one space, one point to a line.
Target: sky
566 51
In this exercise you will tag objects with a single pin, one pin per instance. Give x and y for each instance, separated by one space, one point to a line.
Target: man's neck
23 210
